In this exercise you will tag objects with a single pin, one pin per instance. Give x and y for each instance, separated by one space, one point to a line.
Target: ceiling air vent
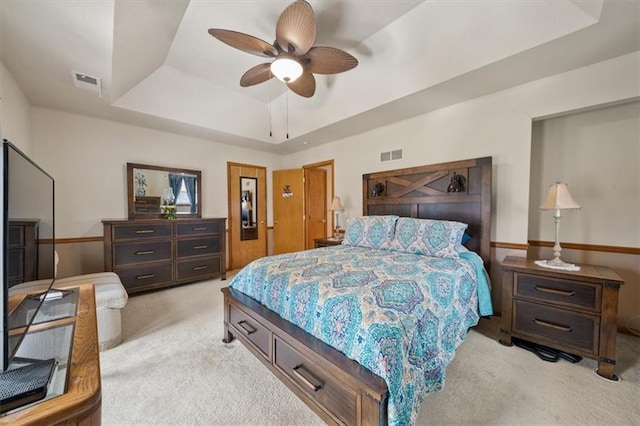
396 154
84 81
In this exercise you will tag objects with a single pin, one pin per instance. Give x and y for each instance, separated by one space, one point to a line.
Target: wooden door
288 211
315 192
243 250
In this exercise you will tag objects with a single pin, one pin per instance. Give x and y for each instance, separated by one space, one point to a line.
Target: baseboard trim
588 247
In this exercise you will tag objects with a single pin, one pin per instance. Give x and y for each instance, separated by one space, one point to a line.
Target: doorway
247 206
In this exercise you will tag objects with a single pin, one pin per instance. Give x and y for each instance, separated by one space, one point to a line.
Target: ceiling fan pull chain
286 96
270 115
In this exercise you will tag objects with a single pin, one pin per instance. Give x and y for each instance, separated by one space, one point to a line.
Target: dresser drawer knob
145 231
552 325
200 268
144 277
199 247
144 252
246 327
306 378
554 291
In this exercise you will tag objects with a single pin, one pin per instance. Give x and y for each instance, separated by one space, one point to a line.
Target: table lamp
558 199
336 206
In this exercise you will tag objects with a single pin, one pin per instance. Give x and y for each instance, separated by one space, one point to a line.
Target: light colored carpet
172 369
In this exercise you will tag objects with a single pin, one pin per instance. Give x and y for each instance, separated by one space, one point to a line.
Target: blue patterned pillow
370 231
439 238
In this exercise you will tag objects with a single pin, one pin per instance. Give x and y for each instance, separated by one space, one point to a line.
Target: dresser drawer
148 251
128 232
564 327
200 228
317 383
250 329
199 268
16 236
198 246
566 292
145 276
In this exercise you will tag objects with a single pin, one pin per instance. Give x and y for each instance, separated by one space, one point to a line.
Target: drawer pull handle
247 328
552 325
200 268
144 252
306 378
144 277
199 247
554 291
145 231
199 228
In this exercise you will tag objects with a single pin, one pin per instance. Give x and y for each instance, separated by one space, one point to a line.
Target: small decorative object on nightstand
575 312
325 242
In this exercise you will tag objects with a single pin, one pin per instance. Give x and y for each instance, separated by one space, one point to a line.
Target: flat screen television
28 252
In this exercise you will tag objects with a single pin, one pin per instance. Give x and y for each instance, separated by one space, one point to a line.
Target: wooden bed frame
337 388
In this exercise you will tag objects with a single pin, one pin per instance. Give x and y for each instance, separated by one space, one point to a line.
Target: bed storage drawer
570 293
573 329
317 383
251 330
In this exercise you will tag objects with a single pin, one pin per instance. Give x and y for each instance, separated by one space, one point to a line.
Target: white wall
597 153
497 125
87 157
15 113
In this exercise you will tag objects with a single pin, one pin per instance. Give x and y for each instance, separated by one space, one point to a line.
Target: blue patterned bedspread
400 315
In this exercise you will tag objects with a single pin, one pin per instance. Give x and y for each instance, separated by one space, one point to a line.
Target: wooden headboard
429 192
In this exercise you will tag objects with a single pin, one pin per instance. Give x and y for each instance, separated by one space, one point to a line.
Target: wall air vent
84 81
396 154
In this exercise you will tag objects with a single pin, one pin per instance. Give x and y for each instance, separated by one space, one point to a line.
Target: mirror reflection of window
248 208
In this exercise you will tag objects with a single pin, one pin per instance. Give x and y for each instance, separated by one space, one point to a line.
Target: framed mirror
163 192
248 208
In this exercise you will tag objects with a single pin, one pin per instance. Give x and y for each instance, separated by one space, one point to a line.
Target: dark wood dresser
23 251
575 312
156 253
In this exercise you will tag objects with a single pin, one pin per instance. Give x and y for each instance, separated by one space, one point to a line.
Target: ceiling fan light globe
286 69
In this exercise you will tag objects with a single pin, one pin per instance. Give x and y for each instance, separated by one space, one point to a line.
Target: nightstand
572 311
325 242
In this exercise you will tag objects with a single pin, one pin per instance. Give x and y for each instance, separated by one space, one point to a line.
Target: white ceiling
161 69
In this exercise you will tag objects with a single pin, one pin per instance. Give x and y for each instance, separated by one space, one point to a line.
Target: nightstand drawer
564 292
558 325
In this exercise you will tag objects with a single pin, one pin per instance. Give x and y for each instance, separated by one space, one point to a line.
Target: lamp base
557 264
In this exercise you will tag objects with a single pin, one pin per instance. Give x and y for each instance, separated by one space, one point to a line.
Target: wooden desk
81 404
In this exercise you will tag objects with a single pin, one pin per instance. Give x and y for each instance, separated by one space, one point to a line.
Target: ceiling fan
295 57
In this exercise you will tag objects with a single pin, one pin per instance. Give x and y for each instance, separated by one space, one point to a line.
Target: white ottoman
111 296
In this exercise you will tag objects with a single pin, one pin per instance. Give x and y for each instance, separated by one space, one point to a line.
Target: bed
363 331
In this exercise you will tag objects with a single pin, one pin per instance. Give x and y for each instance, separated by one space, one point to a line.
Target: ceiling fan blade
329 60
296 29
244 42
255 75
305 85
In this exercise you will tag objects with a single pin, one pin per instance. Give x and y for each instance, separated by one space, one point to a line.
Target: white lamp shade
559 198
336 205
286 69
